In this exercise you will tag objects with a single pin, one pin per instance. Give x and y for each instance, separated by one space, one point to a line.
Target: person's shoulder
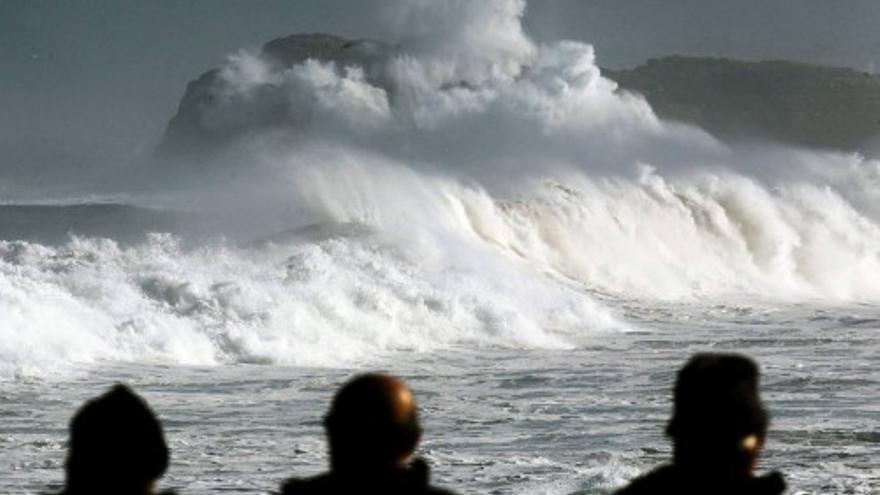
659 480
314 484
420 473
770 484
669 479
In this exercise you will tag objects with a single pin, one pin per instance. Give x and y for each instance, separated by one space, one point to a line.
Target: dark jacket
411 481
673 480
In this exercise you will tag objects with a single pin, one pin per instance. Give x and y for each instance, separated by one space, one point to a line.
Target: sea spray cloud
461 76
458 42
256 93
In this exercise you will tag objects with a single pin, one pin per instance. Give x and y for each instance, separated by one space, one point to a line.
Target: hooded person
116 446
718 428
372 432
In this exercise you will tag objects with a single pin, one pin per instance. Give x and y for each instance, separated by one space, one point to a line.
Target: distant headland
786 102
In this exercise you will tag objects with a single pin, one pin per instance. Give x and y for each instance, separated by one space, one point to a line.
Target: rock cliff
793 103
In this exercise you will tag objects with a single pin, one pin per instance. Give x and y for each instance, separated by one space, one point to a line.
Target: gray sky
86 85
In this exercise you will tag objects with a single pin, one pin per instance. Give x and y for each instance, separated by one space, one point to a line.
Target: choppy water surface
582 420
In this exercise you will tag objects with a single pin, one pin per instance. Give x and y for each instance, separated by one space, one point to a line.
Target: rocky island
778 101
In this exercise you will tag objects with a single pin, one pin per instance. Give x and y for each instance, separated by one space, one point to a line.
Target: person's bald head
116 445
373 420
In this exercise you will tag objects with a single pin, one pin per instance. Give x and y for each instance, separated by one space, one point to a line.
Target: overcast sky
88 83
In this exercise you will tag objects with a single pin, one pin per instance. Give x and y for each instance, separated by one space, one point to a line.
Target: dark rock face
190 131
299 47
818 107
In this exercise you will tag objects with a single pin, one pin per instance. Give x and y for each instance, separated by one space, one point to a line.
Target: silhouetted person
718 427
116 446
372 431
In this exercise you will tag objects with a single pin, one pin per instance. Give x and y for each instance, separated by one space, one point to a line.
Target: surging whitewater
468 188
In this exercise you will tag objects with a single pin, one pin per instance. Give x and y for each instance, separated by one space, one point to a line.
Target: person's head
372 423
116 445
718 419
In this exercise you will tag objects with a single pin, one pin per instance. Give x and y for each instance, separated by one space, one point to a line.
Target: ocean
239 350
533 250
